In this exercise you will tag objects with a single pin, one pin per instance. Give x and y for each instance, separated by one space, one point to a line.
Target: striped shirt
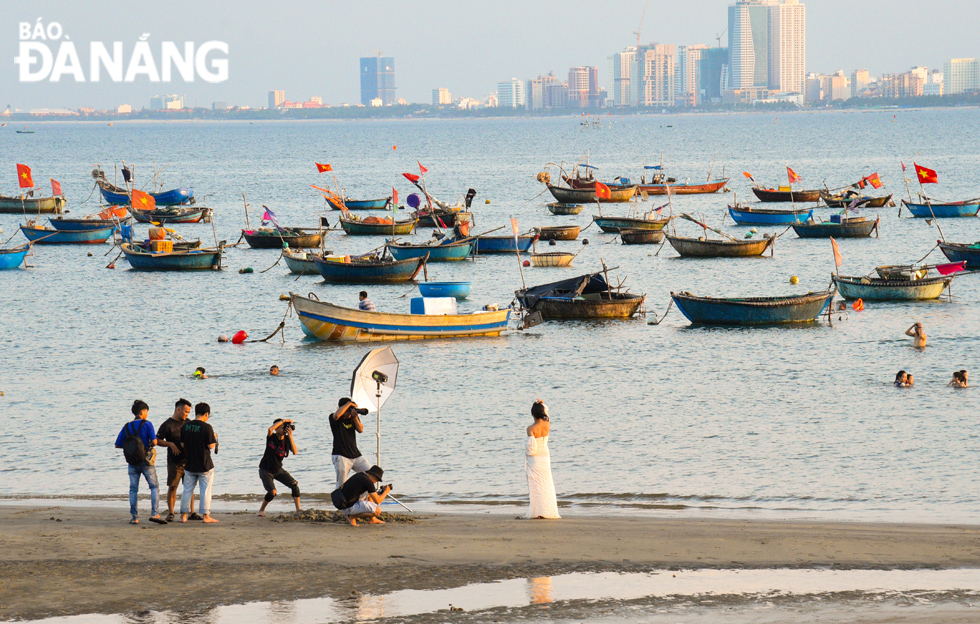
366 305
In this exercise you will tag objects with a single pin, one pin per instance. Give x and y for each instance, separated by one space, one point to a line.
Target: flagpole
520 265
928 202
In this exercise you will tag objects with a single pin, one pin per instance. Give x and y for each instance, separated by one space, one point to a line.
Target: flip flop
134 521
158 520
170 517
195 516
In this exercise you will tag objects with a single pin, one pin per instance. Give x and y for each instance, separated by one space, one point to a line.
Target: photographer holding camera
278 444
360 499
345 424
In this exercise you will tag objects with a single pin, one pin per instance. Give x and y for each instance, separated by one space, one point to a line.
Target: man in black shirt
359 498
168 435
197 438
345 424
278 443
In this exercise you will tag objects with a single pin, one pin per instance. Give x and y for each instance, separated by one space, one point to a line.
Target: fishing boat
51 236
583 297
641 237
277 238
13 257
358 204
372 226
368 269
328 322
849 197
501 244
32 205
614 225
170 214
620 191
558 208
929 210
684 188
848 227
552 259
446 250
749 311
708 248
141 258
86 223
300 262
885 289
457 290
617 194
962 252
785 194
113 194
442 218
558 232
746 215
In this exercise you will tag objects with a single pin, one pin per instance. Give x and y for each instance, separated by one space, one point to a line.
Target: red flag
874 180
863 182
24 176
903 166
748 175
143 201
955 267
394 196
838 260
55 187
322 168
793 178
422 169
412 177
602 191
925 175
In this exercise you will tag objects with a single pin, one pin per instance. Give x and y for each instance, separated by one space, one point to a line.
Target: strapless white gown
537 464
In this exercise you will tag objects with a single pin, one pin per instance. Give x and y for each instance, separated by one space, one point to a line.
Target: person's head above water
200 373
900 376
273 370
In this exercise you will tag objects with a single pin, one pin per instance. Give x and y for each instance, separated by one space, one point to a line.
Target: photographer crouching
278 444
359 497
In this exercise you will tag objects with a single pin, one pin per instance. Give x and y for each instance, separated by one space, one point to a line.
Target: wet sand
66 561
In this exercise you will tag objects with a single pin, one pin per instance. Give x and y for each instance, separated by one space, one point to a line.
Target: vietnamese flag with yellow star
926 175
143 201
24 176
322 168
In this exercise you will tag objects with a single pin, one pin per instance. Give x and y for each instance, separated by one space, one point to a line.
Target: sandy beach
65 561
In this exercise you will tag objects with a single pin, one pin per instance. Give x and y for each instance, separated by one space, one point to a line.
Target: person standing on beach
278 443
137 440
537 465
197 438
168 435
345 424
918 336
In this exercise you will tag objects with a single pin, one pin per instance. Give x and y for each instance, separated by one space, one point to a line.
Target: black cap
376 472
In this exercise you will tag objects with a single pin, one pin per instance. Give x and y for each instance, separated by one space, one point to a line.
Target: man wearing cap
345 424
359 498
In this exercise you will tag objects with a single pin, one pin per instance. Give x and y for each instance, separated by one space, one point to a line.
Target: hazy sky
312 48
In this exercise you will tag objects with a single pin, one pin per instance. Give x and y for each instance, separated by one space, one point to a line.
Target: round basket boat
459 290
558 232
558 208
552 259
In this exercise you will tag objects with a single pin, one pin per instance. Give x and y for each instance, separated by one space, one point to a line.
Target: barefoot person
359 497
345 424
168 435
137 440
537 465
197 439
278 444
918 335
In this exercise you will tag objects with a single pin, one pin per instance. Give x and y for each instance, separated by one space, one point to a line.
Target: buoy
111 266
754 230
90 254
223 338
794 280
527 263
585 241
239 337
246 270
748 235
394 147
858 305
486 201
552 242
284 297
285 245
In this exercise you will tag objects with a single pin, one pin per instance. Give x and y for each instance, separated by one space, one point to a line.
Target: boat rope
95 186
273 264
114 259
16 232
657 321
280 328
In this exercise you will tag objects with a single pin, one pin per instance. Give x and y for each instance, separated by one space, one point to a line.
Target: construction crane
640 27
718 36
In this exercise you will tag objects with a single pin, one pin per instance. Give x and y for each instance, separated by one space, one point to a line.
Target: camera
379 377
289 426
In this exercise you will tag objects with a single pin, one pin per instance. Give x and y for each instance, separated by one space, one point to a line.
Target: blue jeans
150 473
195 479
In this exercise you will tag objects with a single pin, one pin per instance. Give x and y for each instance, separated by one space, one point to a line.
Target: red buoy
239 337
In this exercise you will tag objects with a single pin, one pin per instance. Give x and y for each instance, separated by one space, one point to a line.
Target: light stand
377 379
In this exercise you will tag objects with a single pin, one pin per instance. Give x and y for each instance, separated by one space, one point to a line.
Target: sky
312 48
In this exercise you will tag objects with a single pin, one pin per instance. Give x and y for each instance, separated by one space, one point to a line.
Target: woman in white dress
537 464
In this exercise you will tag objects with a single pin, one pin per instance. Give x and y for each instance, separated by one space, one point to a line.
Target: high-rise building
652 75
378 80
748 43
545 92
583 87
687 75
277 99
167 102
511 94
787 46
860 78
712 75
441 97
961 75
620 65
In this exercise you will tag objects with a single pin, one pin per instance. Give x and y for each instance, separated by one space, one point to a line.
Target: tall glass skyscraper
378 80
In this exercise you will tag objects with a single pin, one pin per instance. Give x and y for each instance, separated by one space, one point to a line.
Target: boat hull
60 223
695 248
558 232
44 236
32 205
300 263
360 204
263 240
173 197
765 216
684 189
445 219
558 208
564 308
450 252
501 244
359 228
878 289
957 252
177 215
331 323
13 258
854 229
772 195
369 272
752 311
457 290
587 195
613 225
641 237
187 260
944 211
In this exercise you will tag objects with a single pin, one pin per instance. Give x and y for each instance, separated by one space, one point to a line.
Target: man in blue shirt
137 439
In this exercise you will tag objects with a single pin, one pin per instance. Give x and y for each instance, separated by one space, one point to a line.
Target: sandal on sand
134 521
170 517
158 520
195 516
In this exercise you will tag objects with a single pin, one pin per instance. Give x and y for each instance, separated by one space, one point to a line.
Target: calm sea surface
787 422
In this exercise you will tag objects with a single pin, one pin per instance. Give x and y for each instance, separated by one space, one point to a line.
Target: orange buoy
858 305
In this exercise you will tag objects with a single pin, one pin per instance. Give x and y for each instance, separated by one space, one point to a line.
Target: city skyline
470 56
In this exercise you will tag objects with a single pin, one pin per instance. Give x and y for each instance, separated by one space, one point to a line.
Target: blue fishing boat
501 244
118 195
968 208
447 250
66 224
368 271
752 310
962 252
744 215
12 258
328 322
358 204
882 289
142 259
51 236
458 290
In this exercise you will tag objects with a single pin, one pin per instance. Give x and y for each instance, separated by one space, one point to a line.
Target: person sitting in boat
918 335
200 373
903 379
274 370
365 303
958 381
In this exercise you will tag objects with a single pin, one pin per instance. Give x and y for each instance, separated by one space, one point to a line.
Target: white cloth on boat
537 464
